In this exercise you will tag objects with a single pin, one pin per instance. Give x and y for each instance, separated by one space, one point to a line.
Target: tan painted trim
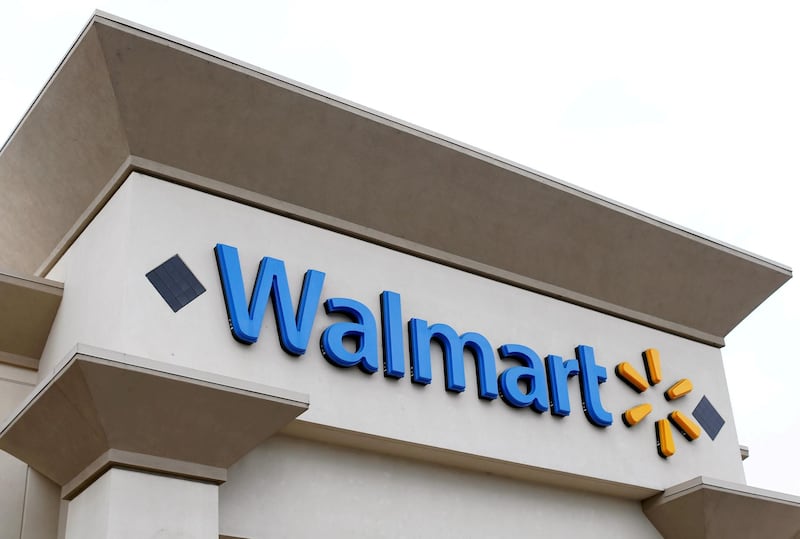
19 361
18 375
31 282
116 458
377 444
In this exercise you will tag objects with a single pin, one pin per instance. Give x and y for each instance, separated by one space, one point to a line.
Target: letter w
294 331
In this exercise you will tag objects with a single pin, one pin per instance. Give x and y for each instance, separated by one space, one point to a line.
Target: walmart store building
231 306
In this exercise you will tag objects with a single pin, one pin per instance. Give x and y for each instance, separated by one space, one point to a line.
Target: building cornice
126 97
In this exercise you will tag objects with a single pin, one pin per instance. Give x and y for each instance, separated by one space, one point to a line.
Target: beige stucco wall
126 504
289 487
109 303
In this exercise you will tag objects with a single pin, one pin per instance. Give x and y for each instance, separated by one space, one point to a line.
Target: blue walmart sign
545 382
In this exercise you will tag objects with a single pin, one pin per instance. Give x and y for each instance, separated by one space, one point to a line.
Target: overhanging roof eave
538 227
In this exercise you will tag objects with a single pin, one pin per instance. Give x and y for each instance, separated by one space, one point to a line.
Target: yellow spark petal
634 415
664 442
652 366
688 428
678 389
630 376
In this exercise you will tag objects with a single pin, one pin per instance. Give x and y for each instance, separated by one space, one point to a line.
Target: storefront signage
545 381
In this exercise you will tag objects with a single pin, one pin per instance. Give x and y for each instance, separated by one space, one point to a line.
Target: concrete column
128 504
137 447
15 384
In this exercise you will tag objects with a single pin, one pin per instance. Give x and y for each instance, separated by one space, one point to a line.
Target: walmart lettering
531 383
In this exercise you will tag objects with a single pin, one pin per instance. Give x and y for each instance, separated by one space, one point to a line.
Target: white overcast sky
689 111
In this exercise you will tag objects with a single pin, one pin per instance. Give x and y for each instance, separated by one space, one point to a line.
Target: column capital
102 409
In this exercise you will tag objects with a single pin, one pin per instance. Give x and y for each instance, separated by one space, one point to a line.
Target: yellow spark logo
665 445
